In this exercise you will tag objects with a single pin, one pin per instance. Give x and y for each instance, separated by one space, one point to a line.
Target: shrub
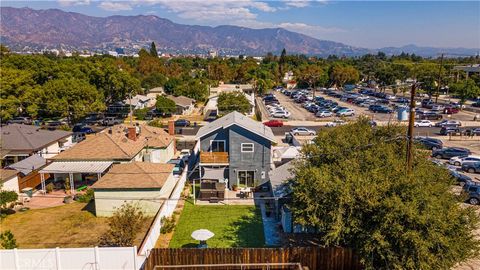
124 225
141 113
49 187
7 240
168 224
86 197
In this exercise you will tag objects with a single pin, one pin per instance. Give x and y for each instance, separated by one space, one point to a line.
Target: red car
450 110
274 123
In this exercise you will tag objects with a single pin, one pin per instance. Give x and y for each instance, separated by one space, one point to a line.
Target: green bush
141 113
86 197
49 187
168 224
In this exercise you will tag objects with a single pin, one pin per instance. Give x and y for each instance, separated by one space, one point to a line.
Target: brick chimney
171 127
132 133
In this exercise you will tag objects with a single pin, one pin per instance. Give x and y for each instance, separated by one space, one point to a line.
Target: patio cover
213 173
77 167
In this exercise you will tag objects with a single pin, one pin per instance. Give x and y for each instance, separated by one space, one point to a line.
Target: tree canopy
165 105
356 193
465 90
233 101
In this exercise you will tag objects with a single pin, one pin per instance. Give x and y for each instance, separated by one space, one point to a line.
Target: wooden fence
32 180
312 257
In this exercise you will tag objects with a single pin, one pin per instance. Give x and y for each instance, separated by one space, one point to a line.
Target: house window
247 147
217 146
246 178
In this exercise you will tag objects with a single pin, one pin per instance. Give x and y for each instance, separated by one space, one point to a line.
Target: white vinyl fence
69 258
166 210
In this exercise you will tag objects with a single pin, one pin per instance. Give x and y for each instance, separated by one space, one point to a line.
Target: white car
303 131
336 123
185 154
458 161
423 123
324 114
346 112
281 114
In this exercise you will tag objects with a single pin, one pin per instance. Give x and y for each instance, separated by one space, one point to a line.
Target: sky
368 24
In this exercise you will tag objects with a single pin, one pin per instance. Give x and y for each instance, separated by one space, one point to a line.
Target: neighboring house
235 149
279 185
138 102
146 184
212 104
282 155
246 88
9 180
89 159
28 176
153 93
21 141
184 105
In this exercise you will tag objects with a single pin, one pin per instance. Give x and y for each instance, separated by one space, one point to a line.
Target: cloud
66 3
115 6
297 3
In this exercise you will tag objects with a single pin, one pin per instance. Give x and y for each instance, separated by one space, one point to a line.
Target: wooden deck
214 157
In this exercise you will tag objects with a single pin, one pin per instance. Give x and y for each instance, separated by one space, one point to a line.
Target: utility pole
439 78
411 121
131 113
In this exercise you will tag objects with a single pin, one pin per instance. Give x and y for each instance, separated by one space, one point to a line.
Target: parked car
472 190
324 113
346 112
472 132
451 110
458 161
449 152
20 120
448 123
476 104
471 167
179 165
423 123
450 130
380 109
281 114
111 121
274 123
303 131
78 137
461 178
185 154
182 123
83 129
429 143
335 123
52 125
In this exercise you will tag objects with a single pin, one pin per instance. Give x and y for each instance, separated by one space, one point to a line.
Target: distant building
185 105
21 141
469 69
138 102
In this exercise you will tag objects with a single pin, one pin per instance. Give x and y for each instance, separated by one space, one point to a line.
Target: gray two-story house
235 150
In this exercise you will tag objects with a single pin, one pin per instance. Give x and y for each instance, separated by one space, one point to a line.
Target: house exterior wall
106 201
259 160
11 184
219 135
54 148
161 155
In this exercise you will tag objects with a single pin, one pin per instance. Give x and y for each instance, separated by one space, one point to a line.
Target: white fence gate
69 258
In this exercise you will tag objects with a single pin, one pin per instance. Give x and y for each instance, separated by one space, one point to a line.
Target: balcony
214 157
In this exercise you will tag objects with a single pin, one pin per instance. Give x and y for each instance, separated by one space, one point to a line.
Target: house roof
77 167
26 138
116 146
137 99
7 174
236 118
278 176
135 175
26 166
182 100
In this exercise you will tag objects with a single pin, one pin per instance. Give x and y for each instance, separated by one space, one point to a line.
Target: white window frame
243 144
224 145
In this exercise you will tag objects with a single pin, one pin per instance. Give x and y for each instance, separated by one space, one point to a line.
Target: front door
246 178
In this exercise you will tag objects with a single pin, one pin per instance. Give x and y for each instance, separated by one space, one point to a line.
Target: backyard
70 225
233 226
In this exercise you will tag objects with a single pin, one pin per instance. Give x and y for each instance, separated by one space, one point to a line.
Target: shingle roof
116 146
26 138
7 174
236 118
135 175
181 100
26 166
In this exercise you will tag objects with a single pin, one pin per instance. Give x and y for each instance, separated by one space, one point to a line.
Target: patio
40 200
231 198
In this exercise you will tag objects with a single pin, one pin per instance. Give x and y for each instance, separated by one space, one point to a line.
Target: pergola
71 167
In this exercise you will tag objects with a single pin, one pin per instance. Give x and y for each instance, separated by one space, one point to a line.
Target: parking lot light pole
411 121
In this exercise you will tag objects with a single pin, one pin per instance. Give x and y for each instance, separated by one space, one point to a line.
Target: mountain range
25 28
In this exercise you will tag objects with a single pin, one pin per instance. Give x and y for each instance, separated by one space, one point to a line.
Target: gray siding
221 134
258 161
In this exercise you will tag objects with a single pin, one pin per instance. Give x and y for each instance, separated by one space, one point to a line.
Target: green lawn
233 226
